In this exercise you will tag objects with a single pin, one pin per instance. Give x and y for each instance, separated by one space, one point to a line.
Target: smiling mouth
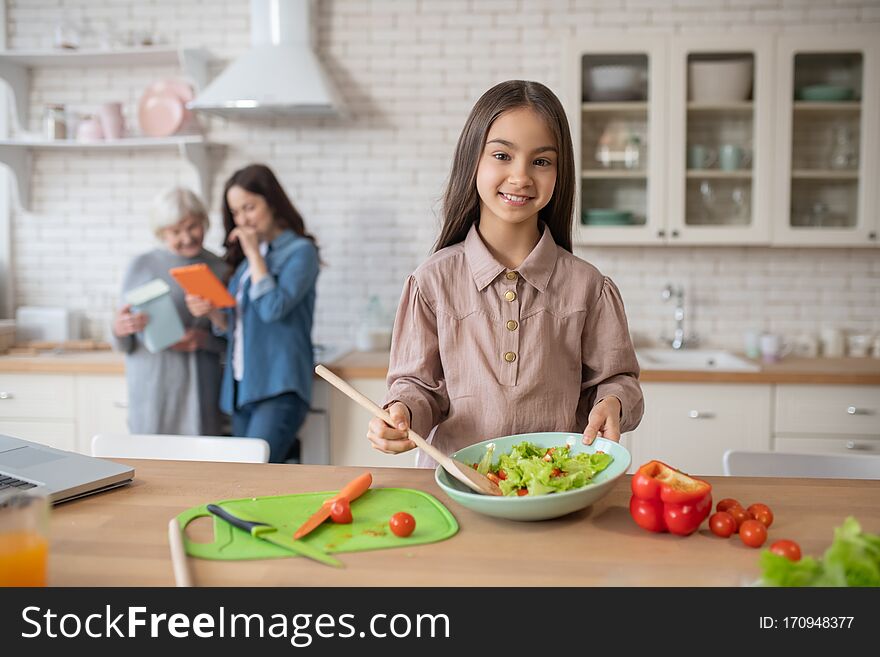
512 199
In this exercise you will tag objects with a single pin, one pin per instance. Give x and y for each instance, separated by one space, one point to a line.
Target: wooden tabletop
120 538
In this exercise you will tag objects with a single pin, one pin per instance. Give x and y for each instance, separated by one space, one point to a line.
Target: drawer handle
120 404
6 395
701 415
851 444
854 410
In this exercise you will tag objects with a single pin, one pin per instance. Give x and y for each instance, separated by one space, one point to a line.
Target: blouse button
510 356
511 275
510 295
511 325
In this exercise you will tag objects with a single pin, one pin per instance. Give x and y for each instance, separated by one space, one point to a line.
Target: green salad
853 559
532 470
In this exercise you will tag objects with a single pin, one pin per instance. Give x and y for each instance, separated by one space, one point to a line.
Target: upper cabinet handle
854 410
701 415
6 395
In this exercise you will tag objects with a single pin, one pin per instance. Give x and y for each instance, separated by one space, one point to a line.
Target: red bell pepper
665 499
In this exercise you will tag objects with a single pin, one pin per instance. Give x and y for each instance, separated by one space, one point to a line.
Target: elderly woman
174 391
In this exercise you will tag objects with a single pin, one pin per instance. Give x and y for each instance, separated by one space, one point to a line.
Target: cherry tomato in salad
494 478
555 472
739 514
788 549
753 533
402 524
722 524
726 503
502 474
522 491
340 512
761 513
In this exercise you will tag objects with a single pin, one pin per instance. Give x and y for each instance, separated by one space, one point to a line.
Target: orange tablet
201 281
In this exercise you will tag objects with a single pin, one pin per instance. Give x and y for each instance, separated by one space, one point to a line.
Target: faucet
679 339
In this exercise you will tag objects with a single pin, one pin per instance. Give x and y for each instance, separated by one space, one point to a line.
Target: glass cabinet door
828 119
616 114
720 115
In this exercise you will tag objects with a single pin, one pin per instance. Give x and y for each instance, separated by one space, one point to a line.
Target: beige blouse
479 351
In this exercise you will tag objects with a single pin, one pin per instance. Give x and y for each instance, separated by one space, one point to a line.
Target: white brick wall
369 187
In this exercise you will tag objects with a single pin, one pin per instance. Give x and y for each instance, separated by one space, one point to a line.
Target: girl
267 385
502 330
174 391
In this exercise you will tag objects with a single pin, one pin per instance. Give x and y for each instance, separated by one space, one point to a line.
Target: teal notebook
164 327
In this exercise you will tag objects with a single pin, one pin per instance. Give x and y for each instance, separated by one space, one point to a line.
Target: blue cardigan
277 315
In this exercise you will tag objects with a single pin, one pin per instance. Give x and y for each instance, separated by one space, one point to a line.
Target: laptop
62 475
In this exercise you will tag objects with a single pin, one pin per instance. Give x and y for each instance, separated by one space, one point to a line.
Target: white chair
783 464
181 448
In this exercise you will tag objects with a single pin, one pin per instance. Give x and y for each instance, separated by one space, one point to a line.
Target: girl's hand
391 440
198 306
247 238
128 323
604 421
193 340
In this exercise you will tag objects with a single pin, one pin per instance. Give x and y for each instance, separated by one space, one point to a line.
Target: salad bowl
536 507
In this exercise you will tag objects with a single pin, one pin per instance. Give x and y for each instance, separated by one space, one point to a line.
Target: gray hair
174 204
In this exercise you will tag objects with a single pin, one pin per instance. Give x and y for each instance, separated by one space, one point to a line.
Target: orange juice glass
24 539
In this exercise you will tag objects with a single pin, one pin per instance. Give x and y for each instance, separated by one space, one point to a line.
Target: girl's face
185 237
251 211
516 174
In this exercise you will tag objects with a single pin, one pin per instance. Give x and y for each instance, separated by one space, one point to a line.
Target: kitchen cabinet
15 69
827 419
62 410
697 139
348 430
690 426
827 142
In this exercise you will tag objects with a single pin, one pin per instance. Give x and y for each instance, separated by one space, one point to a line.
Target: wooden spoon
466 475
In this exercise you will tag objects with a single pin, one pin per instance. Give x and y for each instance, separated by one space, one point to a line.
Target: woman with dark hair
503 330
267 384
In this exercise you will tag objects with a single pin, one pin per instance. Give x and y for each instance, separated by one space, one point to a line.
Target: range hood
280 76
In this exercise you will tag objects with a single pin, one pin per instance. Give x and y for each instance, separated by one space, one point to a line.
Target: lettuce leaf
852 559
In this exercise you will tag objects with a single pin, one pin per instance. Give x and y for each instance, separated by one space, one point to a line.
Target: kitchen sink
704 360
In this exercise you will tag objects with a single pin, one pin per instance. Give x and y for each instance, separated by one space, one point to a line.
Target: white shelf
639 107
815 106
824 174
717 173
744 106
115 144
606 174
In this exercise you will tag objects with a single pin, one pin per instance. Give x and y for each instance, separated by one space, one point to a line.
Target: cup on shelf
701 157
858 345
112 121
89 129
773 347
751 343
732 157
832 342
806 345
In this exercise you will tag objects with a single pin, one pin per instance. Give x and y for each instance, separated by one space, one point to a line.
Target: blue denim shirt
277 314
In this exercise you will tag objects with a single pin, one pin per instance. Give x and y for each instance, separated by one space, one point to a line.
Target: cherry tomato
522 491
739 514
494 478
753 533
402 524
788 549
340 511
502 474
726 503
761 513
722 524
555 472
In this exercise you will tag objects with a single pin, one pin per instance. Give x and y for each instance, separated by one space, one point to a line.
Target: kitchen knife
271 534
352 490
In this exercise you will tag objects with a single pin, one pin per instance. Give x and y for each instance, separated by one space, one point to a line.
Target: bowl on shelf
536 507
720 81
606 217
613 82
825 92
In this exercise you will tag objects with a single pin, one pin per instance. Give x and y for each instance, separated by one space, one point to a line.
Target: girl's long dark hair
461 202
259 179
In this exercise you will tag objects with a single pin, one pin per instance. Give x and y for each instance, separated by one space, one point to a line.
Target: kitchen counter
120 537
841 371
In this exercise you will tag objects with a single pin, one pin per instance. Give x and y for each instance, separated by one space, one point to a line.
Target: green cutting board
368 531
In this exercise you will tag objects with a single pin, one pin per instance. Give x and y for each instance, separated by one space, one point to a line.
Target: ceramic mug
700 157
832 343
89 129
732 157
858 345
806 345
112 121
773 347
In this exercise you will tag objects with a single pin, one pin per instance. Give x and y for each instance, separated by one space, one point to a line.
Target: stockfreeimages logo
299 629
